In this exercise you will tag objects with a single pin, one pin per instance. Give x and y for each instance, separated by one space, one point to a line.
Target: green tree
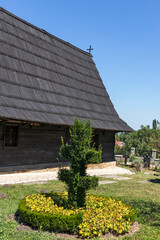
154 124
79 153
144 140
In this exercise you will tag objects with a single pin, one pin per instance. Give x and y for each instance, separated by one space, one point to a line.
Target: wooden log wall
36 145
41 144
107 140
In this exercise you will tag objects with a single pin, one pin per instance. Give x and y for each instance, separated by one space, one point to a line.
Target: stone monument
132 151
154 154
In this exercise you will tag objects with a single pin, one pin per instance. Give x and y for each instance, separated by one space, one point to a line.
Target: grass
145 197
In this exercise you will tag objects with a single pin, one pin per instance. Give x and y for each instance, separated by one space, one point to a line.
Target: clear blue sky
125 36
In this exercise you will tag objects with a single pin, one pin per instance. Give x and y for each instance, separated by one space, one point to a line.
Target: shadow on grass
154 180
148 212
157 175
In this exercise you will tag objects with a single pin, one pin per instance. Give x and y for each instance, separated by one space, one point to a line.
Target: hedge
51 222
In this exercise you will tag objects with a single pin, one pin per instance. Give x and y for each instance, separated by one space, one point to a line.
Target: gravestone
146 161
125 158
154 154
132 151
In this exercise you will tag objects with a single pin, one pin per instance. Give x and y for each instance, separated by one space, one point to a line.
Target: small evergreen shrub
157 168
132 158
138 164
100 216
79 153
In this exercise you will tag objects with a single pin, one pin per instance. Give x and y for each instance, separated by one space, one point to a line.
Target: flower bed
101 215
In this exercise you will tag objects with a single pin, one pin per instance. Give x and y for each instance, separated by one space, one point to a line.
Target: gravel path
109 171
43 176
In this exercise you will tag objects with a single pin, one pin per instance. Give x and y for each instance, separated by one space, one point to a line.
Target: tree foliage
155 124
79 153
144 140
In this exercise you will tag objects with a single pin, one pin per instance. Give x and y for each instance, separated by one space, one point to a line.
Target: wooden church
45 83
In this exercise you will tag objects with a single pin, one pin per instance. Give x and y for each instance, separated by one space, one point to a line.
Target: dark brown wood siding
107 140
36 145
1 137
41 144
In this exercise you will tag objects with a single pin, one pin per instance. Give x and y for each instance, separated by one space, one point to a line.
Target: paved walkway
43 176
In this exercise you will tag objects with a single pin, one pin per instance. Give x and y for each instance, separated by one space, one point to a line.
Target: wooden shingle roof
47 80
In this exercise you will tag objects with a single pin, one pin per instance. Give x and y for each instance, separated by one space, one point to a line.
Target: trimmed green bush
49 221
79 153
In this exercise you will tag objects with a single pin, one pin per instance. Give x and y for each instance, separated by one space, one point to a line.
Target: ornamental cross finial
90 49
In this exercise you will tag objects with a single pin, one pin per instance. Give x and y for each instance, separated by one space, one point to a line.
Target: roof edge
62 124
45 32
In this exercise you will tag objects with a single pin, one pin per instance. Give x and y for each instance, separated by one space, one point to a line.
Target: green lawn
145 197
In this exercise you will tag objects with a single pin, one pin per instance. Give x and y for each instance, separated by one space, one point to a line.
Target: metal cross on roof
90 49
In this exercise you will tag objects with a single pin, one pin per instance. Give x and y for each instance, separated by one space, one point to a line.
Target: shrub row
49 221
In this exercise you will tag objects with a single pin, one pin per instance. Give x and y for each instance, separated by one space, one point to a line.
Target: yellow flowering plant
101 215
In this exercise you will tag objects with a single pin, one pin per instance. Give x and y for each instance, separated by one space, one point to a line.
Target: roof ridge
45 32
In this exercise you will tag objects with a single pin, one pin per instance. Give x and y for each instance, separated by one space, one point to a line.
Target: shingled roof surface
45 79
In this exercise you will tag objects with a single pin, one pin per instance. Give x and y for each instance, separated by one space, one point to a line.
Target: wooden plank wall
107 140
41 144
36 145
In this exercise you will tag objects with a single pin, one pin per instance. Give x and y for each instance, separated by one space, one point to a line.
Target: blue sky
125 36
